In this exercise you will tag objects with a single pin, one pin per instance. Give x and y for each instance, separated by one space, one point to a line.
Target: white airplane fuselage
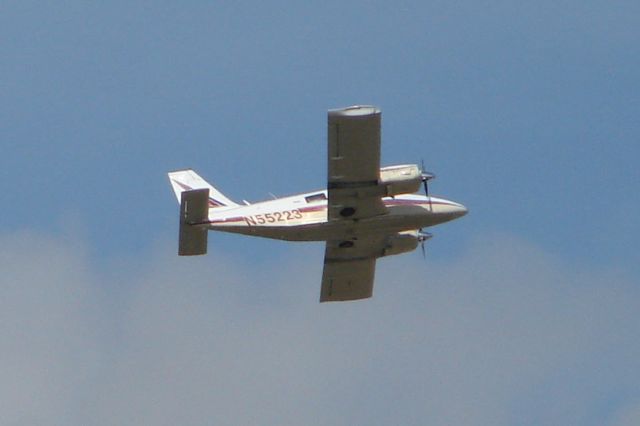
303 217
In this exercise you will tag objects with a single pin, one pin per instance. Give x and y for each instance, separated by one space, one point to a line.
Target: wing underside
347 280
353 176
349 268
354 163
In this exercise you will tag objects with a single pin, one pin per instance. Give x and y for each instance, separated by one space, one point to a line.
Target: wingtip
355 111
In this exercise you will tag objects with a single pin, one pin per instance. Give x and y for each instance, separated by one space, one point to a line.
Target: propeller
422 237
426 176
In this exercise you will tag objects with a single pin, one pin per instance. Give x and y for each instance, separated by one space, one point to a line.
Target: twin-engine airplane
367 212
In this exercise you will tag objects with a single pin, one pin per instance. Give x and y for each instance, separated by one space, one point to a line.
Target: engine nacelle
396 180
401 243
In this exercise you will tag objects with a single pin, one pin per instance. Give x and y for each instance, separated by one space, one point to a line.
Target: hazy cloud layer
503 335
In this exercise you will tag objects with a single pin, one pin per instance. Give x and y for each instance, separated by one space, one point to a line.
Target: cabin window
316 197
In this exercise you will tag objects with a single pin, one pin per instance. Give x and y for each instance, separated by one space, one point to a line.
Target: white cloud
48 347
504 334
627 416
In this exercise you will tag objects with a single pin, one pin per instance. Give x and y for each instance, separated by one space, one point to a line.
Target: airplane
366 212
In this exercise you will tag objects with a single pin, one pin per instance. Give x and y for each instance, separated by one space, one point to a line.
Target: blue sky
527 113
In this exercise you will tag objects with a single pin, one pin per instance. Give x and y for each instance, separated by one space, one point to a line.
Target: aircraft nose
447 210
458 210
462 211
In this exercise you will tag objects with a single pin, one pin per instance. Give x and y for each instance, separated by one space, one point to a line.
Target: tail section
187 180
194 215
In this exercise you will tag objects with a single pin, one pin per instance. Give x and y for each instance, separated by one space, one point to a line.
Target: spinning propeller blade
422 237
426 176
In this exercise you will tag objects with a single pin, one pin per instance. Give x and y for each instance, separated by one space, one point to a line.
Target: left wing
354 163
349 269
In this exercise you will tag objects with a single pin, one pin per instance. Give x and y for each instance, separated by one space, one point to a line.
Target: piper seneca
366 212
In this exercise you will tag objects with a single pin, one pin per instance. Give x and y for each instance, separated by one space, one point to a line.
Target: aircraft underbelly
400 218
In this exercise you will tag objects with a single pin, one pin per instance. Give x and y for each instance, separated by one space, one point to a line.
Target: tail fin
187 180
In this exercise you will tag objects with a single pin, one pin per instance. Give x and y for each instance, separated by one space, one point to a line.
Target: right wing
349 268
347 280
354 163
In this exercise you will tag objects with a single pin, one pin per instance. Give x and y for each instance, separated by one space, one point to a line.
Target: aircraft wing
354 163
349 270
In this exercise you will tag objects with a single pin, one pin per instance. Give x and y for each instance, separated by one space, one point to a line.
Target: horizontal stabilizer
194 216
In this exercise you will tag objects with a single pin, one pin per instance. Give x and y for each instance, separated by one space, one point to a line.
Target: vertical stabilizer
187 180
